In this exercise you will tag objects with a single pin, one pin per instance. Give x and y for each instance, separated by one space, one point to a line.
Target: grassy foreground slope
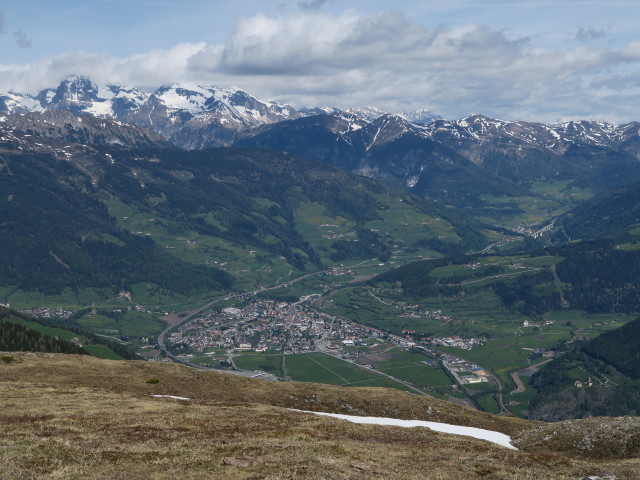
79 417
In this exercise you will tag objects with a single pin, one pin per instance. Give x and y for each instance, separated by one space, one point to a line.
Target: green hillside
20 332
170 226
600 377
612 213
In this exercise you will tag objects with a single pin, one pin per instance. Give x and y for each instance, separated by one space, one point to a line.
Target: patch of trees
442 246
70 325
602 278
368 245
529 293
619 348
18 338
416 280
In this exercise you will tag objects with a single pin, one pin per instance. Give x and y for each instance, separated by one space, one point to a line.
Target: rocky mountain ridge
463 162
169 108
190 115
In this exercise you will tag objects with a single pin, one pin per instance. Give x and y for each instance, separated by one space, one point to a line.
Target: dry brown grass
67 417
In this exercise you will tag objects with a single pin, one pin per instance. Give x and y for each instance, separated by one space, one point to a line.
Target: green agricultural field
488 403
102 351
320 229
128 323
270 363
407 225
321 368
136 324
412 367
100 324
69 299
545 261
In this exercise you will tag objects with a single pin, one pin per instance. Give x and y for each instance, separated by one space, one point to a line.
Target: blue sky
529 60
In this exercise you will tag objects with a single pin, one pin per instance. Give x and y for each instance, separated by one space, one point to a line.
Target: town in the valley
264 325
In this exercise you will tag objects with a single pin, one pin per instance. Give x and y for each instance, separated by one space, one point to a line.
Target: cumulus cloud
386 60
151 69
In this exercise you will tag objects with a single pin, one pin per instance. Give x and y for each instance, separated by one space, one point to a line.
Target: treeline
70 325
17 338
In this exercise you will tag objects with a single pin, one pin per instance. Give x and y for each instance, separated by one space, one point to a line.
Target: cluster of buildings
264 324
464 372
437 315
49 313
459 342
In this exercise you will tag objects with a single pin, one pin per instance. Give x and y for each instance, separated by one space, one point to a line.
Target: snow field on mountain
479 433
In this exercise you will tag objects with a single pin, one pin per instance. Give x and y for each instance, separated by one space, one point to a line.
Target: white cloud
632 52
151 69
386 60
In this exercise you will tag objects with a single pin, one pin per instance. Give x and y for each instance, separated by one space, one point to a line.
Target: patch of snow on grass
171 396
480 433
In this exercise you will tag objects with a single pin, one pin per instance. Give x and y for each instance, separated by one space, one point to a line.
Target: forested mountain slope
109 216
598 378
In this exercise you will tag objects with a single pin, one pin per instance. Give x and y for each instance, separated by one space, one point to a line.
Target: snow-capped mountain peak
368 114
421 116
167 110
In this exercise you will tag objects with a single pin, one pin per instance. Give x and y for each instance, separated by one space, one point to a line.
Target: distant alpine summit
190 115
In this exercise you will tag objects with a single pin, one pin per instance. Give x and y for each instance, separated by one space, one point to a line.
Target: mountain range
191 116
476 162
